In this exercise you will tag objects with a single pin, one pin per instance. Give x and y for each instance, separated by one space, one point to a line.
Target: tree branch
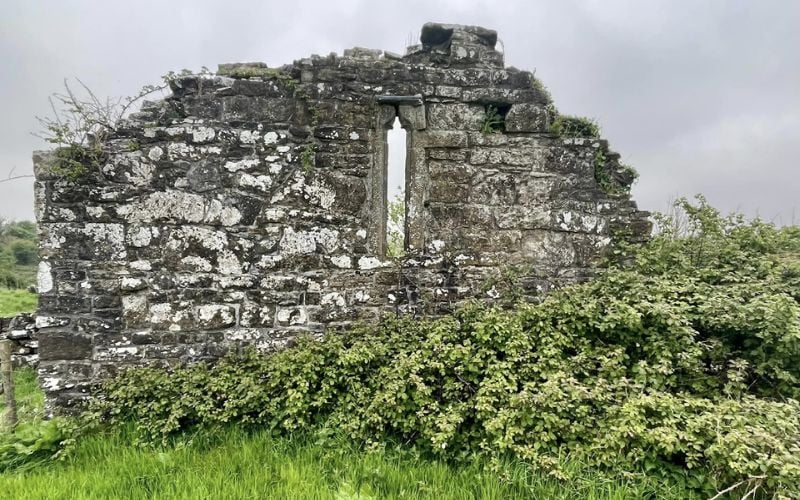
15 177
749 480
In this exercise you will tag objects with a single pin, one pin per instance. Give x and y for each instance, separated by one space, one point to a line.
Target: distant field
13 302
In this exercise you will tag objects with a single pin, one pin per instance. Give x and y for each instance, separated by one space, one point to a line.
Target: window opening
494 117
396 190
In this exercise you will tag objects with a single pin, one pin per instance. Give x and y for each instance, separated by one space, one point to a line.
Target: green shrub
26 253
684 363
575 126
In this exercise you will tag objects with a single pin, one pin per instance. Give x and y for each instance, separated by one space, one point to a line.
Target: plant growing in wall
575 126
80 123
612 180
308 157
492 121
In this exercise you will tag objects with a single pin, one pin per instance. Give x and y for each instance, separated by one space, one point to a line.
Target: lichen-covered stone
252 208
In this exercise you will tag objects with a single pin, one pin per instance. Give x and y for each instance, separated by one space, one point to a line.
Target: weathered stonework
250 207
21 331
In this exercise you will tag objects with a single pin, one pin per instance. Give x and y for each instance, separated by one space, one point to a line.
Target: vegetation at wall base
678 365
241 462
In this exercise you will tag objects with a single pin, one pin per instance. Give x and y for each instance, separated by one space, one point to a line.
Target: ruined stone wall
21 331
250 206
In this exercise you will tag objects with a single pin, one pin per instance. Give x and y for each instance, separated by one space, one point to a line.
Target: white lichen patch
602 242
203 134
163 315
269 261
245 164
260 182
95 212
243 334
270 138
228 263
249 136
292 316
227 216
160 313
140 265
155 153
209 313
117 352
52 384
333 299
274 215
369 263
207 238
109 237
230 216
134 306
44 278
65 214
179 150
130 284
197 263
49 321
436 246
139 237
169 205
342 261
173 131
318 193
305 242
354 136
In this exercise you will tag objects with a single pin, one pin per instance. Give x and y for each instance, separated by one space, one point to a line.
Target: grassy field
16 301
237 463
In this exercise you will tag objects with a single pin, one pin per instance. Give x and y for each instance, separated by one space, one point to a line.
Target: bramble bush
681 359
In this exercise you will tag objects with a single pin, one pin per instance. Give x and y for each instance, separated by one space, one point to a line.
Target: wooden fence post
8 384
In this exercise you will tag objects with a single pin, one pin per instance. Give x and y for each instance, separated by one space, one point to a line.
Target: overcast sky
700 96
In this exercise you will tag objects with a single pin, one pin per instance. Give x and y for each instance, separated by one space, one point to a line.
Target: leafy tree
23 230
18 253
25 252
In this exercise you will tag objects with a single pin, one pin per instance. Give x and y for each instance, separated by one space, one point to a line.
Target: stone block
65 346
526 117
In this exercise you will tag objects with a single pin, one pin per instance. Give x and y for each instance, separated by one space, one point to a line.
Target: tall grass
236 462
30 399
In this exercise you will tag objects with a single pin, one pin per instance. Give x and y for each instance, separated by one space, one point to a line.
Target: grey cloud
699 96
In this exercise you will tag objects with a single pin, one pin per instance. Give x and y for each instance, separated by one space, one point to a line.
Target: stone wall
22 332
250 207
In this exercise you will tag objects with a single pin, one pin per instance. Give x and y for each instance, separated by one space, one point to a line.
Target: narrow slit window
396 191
